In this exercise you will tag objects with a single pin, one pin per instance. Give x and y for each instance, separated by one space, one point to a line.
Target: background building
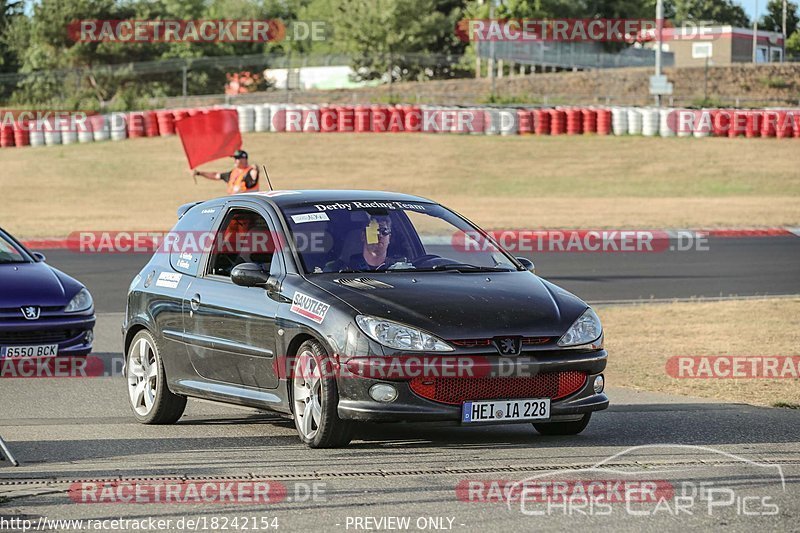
721 45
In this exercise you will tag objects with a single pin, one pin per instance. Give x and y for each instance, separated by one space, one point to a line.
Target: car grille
473 343
37 336
15 313
553 385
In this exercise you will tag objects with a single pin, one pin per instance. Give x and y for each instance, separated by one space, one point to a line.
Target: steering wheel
423 259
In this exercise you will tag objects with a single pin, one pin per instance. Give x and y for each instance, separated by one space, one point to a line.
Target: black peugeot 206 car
341 306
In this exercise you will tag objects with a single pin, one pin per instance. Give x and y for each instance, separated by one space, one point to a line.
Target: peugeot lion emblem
508 345
31 312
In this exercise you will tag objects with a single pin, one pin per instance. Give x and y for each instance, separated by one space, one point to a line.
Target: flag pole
266 173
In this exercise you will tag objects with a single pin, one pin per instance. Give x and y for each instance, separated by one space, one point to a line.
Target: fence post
185 70
5 452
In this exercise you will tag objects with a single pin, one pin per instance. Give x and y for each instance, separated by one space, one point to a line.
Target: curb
749 232
46 244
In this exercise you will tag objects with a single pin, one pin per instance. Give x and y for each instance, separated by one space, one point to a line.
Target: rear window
243 237
192 236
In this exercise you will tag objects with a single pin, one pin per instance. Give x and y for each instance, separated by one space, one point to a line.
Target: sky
750 7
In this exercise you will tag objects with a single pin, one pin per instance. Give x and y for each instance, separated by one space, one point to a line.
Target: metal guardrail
424 96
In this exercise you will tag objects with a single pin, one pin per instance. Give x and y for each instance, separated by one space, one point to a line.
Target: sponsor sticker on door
169 280
309 307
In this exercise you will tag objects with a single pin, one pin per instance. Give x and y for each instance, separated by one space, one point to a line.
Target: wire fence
201 81
568 55
186 77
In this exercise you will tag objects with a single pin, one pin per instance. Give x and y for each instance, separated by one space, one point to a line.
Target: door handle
195 302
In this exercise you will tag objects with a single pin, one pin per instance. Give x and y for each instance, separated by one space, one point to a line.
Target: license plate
45 350
505 410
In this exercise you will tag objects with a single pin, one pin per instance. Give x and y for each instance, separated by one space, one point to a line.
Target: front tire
315 398
564 428
148 395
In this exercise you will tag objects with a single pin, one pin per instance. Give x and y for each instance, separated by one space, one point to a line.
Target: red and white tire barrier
308 118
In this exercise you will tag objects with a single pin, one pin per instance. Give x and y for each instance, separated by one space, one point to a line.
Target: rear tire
148 395
563 428
315 398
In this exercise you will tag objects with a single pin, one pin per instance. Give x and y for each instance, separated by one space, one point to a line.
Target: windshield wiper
464 267
452 267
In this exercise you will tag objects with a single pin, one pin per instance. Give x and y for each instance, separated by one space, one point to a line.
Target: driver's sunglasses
384 231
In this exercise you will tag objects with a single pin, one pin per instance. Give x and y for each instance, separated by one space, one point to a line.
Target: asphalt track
735 466
752 266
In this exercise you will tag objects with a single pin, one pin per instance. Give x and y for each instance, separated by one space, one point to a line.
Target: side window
243 237
191 237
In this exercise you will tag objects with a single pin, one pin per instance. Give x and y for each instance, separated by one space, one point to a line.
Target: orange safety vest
236 182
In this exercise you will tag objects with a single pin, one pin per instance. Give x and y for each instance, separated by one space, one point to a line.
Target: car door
230 330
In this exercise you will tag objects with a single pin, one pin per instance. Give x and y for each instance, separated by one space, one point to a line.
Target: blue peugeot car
43 312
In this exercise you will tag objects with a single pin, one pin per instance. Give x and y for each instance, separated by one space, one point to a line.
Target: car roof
292 197
283 198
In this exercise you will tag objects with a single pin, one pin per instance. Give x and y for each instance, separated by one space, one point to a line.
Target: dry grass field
641 338
499 182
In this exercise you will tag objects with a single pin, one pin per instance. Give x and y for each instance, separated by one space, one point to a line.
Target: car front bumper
74 335
355 402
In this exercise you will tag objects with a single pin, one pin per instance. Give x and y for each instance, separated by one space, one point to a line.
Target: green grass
786 405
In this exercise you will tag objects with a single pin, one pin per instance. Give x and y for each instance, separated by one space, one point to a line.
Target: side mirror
39 256
527 263
249 275
273 285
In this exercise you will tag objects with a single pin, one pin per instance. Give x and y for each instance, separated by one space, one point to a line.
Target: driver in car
375 239
375 243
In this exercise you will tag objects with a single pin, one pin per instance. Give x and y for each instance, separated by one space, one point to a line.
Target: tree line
384 39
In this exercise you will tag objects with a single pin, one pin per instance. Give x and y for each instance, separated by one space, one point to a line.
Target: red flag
209 136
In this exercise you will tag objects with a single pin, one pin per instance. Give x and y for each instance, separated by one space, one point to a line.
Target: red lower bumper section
455 390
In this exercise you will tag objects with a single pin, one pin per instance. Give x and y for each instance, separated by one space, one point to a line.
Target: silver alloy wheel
307 394
142 376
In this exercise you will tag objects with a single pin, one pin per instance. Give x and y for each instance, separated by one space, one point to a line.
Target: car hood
35 284
456 305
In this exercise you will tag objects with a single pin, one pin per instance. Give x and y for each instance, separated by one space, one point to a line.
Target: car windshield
9 252
389 236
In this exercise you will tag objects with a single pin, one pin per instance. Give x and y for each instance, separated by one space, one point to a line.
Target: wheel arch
297 341
292 349
130 334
